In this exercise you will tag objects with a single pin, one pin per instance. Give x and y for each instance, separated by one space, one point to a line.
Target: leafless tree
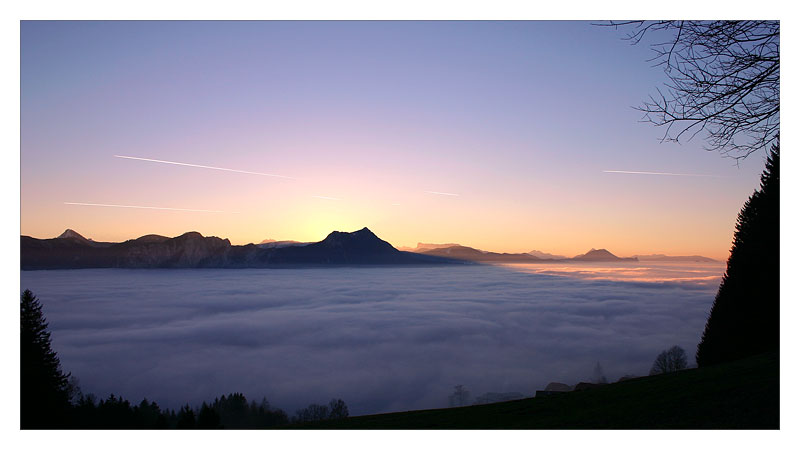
599 375
338 409
668 361
724 80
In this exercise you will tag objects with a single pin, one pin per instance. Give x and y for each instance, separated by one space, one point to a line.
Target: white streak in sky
657 173
326 197
203 166
441 193
149 207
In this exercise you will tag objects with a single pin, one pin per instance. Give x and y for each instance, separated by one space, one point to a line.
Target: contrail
149 207
326 197
203 166
658 173
441 193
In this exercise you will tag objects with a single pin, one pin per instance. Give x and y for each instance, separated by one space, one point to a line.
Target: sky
505 136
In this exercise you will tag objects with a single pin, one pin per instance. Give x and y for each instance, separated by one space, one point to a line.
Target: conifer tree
44 388
745 317
208 418
186 418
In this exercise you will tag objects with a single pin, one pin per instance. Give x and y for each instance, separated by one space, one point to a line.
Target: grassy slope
738 395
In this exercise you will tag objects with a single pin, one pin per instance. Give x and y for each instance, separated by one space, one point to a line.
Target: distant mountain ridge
543 255
425 246
461 252
270 243
665 258
602 255
476 255
193 250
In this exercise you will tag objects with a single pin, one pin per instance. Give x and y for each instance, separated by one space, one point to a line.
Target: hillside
737 395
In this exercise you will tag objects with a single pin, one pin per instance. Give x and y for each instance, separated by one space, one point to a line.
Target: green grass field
738 395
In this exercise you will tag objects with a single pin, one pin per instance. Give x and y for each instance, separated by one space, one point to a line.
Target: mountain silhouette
70 234
543 255
271 243
193 250
466 253
602 255
428 246
665 258
359 247
475 255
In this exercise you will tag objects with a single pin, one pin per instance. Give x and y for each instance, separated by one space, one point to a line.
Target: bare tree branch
724 82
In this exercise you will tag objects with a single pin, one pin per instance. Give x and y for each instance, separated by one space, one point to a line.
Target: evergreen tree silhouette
44 389
208 418
233 411
186 418
745 317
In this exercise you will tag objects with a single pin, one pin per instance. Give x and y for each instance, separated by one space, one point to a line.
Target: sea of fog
382 339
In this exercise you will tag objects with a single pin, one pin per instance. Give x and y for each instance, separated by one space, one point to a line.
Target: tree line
50 398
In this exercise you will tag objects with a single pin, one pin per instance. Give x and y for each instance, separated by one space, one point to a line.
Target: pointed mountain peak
70 234
361 233
362 238
362 241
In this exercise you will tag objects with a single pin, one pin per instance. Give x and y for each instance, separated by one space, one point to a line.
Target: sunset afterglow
467 132
490 223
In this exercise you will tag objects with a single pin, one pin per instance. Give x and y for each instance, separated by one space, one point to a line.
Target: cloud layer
382 339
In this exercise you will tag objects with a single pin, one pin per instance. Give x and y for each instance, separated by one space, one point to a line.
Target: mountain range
665 258
193 250
456 251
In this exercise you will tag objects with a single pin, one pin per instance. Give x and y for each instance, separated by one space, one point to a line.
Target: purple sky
521 122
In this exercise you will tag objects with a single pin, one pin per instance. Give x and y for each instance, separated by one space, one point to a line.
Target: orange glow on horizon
356 124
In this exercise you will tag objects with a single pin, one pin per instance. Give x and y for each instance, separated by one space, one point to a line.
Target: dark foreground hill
192 250
737 395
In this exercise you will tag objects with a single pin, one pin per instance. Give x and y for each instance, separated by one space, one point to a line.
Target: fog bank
382 339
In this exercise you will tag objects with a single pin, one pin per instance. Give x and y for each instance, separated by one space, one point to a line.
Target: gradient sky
521 121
